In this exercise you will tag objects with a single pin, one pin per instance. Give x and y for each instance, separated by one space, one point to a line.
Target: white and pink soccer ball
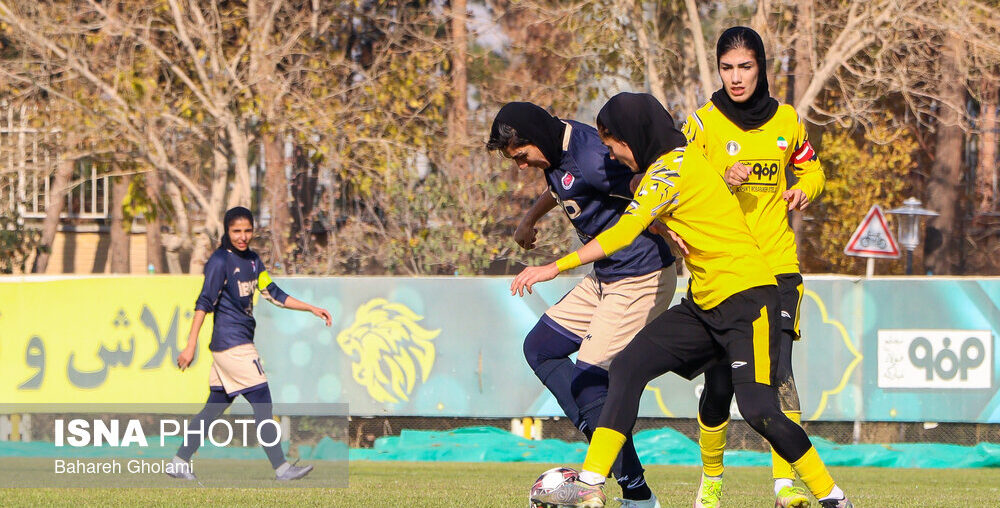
551 480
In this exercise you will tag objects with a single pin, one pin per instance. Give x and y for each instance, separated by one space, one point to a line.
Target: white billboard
935 359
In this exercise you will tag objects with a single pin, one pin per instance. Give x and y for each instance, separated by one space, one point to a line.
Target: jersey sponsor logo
782 143
763 175
737 365
786 315
567 181
732 147
389 350
245 287
804 153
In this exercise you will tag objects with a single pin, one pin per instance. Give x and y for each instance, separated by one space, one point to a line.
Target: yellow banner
101 340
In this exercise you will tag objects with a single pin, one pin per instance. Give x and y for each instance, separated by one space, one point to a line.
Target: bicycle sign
873 239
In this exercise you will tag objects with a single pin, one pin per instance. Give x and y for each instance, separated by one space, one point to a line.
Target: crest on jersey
567 181
389 350
782 143
732 147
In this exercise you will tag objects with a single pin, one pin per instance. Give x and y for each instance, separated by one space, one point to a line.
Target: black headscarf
535 125
643 124
237 212
760 107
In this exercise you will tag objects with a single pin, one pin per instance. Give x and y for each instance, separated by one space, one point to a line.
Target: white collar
566 135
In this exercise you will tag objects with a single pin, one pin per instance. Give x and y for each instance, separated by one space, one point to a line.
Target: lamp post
909 227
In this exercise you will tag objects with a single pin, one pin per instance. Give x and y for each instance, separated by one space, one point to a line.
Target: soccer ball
551 480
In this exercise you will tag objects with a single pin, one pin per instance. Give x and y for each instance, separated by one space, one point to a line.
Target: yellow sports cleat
572 495
709 493
791 497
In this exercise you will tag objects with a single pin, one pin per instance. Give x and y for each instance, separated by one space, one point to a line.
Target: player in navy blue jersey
602 314
232 274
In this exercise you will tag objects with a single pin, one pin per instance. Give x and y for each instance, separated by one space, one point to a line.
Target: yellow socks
712 441
779 466
813 473
604 448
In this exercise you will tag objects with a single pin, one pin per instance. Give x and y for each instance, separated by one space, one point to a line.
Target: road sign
873 239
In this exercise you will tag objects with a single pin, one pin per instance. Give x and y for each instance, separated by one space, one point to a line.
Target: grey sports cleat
837 503
576 494
652 502
293 472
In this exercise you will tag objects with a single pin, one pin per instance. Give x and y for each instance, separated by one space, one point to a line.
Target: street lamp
909 227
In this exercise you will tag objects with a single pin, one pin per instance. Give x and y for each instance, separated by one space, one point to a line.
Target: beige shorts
606 316
236 370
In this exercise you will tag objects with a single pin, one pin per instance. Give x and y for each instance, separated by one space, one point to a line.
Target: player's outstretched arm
296 304
531 275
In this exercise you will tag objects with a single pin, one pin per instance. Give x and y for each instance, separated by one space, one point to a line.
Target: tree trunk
181 238
986 170
53 209
458 115
154 240
120 244
802 59
276 183
760 24
214 229
239 144
944 232
694 24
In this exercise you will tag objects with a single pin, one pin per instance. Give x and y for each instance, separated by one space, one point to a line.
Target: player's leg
748 326
790 292
197 431
625 307
713 421
547 348
558 334
674 341
260 401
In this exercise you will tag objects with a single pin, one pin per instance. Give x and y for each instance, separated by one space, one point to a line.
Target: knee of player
757 415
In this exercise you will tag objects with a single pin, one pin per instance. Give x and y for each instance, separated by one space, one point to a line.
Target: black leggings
260 401
717 397
644 360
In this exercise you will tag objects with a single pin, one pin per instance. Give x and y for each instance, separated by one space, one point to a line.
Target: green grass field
505 485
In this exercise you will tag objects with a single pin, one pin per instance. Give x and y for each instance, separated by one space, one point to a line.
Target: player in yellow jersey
730 313
750 140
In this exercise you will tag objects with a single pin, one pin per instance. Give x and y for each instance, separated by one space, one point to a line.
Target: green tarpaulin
659 446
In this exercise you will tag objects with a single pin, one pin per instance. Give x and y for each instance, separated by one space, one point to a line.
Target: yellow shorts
236 370
606 316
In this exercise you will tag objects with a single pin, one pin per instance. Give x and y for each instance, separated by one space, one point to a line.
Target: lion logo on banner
388 349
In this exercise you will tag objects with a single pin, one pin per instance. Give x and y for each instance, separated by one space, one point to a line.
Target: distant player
603 312
731 312
751 140
232 274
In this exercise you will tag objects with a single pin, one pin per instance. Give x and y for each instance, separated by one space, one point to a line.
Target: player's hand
525 235
322 314
531 275
184 359
737 174
659 228
633 184
796 199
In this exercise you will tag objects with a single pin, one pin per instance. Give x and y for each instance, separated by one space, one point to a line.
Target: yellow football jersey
767 151
684 191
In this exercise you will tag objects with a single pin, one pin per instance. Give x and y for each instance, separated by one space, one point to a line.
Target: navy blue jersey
594 192
230 281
